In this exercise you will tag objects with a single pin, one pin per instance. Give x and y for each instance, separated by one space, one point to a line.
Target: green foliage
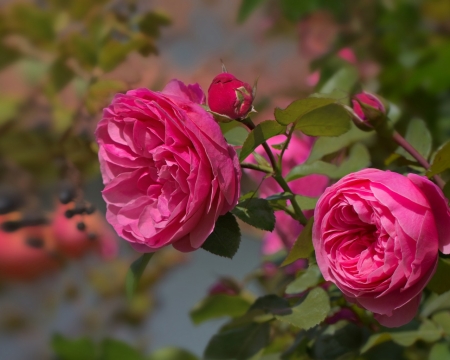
151 23
427 332
305 280
246 8
419 137
256 212
303 246
439 282
226 237
100 93
110 349
299 108
220 305
239 343
261 133
441 160
435 303
316 116
312 311
446 190
329 145
171 353
135 272
67 349
359 158
343 341
440 351
234 132
118 350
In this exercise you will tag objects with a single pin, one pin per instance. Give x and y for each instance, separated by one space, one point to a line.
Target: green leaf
238 343
256 212
440 282
435 304
306 203
303 246
60 74
135 272
270 303
217 306
151 22
226 237
341 83
247 7
330 120
307 279
359 158
335 345
442 318
261 133
118 350
446 190
300 108
428 332
67 349
9 55
441 160
172 353
419 137
234 132
440 351
9 108
329 145
312 311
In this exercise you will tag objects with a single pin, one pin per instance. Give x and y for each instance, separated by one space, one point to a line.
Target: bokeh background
61 61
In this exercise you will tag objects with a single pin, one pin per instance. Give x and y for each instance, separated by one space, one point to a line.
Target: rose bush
167 170
286 228
376 235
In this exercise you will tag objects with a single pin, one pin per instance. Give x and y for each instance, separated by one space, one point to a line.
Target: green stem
278 177
400 140
262 168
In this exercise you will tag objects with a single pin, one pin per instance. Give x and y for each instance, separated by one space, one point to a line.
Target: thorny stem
278 177
416 155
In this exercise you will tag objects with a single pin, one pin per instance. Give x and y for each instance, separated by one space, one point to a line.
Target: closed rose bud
369 110
230 96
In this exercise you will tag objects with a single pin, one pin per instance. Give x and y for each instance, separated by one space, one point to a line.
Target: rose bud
230 97
369 111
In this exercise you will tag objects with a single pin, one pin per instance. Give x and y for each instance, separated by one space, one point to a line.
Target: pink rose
230 96
167 170
376 235
286 228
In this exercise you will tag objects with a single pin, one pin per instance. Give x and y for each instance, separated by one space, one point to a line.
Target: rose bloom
376 235
167 170
286 228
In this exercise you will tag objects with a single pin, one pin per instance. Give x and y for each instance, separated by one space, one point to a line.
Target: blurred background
62 269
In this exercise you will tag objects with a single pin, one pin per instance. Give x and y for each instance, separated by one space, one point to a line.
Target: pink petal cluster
376 235
167 170
287 229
